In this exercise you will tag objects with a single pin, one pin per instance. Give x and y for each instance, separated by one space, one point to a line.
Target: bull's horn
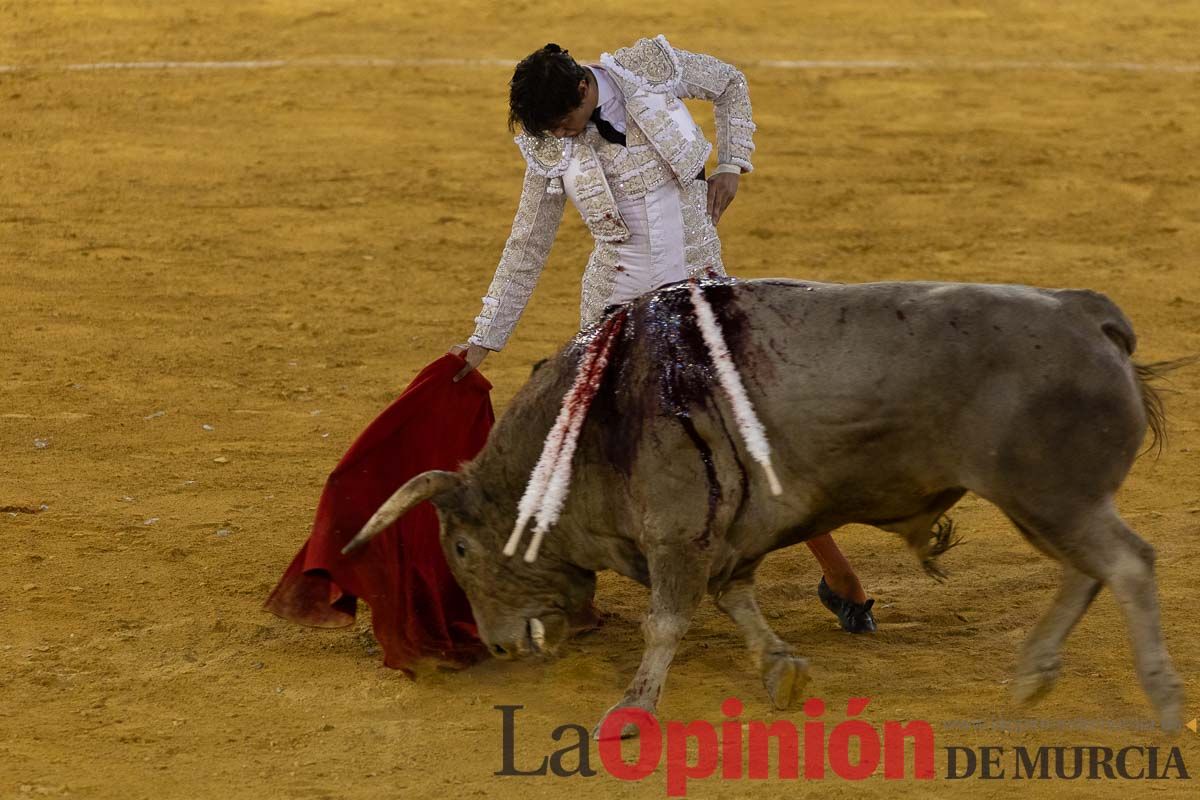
537 632
421 487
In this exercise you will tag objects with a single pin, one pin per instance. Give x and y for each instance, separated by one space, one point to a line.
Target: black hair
544 89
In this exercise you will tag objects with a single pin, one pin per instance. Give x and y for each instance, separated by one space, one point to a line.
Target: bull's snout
527 639
508 650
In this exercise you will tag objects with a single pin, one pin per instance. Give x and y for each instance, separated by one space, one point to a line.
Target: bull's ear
448 490
460 501
426 486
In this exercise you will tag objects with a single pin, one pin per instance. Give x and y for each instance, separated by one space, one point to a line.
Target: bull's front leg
784 674
678 577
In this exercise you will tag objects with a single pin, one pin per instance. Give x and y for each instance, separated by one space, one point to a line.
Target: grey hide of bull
883 404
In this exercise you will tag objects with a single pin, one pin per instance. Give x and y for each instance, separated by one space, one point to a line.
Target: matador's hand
721 189
474 355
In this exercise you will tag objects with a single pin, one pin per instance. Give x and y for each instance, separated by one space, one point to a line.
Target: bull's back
878 388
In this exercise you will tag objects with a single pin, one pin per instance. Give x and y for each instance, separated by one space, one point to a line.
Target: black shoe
855 617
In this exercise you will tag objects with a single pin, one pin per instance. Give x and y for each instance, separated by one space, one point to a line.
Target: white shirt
610 101
654 254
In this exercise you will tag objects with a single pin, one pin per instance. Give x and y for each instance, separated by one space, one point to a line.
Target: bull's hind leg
1037 670
784 674
1130 576
1099 548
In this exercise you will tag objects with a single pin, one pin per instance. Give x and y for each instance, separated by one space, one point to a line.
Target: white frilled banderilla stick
743 410
547 488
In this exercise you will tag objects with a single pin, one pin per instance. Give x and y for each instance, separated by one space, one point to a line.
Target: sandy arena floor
212 279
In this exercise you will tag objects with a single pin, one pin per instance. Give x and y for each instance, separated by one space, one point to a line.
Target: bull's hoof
1034 683
628 731
785 677
1170 717
1166 692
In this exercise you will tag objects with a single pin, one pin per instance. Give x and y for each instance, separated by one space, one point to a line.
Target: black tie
609 133
613 135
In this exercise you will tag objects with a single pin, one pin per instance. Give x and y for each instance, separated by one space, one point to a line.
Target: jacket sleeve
708 78
521 263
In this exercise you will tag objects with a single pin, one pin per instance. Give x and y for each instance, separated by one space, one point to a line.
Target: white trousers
654 253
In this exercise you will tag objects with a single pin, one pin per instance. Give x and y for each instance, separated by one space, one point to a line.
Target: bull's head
520 608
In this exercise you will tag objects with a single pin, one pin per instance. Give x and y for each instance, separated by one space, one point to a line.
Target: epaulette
546 155
648 64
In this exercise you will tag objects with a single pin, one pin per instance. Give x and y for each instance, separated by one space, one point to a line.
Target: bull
885 403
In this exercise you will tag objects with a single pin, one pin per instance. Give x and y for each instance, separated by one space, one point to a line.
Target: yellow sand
275 252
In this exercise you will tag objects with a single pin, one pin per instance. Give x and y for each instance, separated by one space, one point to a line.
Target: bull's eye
460 547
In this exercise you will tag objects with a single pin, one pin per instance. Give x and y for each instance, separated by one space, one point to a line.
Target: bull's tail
1152 401
1119 330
